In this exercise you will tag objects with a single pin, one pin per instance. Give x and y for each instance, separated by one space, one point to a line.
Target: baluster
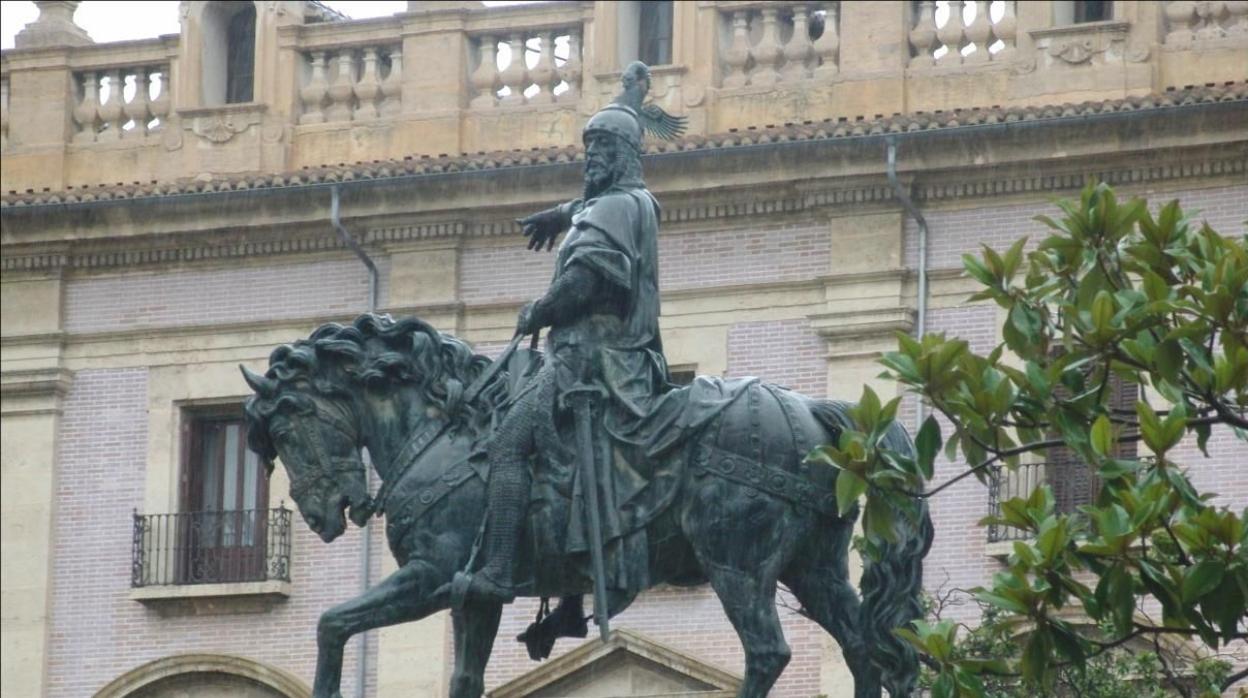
570 71
951 35
110 111
1180 16
978 33
159 106
392 86
136 109
1208 15
798 50
485 78
4 112
1006 29
367 87
923 35
87 111
767 52
1237 17
828 45
513 76
341 90
738 53
543 72
312 95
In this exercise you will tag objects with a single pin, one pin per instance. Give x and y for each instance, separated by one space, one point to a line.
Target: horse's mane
336 358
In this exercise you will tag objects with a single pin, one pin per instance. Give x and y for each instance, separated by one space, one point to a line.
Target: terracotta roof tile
827 129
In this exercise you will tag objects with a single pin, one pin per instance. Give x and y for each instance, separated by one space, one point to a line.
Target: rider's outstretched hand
543 228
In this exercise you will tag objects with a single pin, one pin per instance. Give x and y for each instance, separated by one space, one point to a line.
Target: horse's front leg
475 626
406 595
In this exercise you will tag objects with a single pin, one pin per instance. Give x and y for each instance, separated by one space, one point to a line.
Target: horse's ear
263 386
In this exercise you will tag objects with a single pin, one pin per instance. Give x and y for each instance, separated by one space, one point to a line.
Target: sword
581 397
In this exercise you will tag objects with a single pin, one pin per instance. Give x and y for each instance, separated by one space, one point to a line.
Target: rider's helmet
618 119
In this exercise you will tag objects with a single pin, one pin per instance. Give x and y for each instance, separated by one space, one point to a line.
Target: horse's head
303 414
365 384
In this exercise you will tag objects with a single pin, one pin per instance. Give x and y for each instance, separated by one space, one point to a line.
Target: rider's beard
598 180
623 169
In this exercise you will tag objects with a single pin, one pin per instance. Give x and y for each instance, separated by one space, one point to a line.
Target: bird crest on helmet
629 117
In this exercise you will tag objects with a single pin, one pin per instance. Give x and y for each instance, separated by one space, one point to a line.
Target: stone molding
33 391
148 674
130 253
173 600
861 325
627 641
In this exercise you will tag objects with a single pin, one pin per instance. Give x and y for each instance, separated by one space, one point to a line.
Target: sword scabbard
582 399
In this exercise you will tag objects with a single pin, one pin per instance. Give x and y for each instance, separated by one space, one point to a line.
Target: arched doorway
205 676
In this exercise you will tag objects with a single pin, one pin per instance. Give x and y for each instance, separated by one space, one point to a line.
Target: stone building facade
166 216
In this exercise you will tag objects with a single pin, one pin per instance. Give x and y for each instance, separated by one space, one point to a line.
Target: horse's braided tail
891 585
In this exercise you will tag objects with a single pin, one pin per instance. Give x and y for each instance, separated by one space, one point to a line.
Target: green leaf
1013 257
1169 360
927 445
849 487
1102 436
869 407
1003 602
1103 310
1201 578
1036 659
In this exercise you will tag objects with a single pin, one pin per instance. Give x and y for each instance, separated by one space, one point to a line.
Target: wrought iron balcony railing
211 547
1073 485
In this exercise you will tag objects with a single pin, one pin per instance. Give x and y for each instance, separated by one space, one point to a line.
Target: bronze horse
740 524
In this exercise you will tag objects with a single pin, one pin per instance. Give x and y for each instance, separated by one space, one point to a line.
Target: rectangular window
1093 11
224 507
240 67
683 375
654 39
1067 12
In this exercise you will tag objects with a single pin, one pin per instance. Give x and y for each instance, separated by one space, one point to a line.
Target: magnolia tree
1112 294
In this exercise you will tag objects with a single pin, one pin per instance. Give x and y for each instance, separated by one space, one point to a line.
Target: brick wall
957 560
784 352
97 631
952 233
686 260
204 297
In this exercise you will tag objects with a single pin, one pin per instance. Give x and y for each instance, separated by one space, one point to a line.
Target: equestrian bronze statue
580 468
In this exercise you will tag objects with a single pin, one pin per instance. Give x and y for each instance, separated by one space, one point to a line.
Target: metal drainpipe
366 552
904 197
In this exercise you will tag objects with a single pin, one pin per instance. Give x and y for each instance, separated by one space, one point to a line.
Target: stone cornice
779 203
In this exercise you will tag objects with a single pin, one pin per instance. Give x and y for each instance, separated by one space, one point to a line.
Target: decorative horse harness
324 467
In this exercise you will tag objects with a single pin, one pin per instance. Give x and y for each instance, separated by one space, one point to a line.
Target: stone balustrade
526 66
778 41
1190 21
956 32
4 112
356 83
526 76
120 103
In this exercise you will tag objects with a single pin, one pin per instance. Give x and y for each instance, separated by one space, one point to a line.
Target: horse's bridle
324 467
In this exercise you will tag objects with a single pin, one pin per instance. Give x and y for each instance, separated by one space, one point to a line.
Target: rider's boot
508 499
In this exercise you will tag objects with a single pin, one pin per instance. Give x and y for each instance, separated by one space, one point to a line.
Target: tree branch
1233 678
